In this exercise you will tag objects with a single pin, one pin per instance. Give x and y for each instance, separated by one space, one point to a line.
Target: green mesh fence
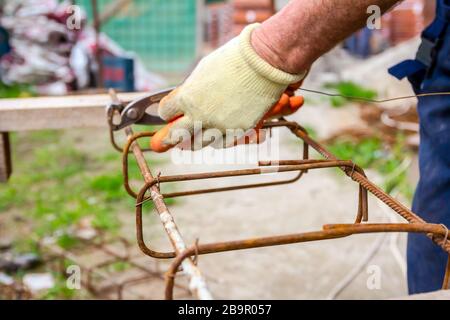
162 32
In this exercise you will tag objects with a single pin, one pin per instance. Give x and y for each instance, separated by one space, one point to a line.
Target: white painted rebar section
197 283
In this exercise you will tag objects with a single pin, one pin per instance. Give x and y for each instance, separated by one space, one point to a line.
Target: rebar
94 278
182 254
197 283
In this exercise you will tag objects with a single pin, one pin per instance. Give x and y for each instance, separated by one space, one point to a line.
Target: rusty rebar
183 254
197 282
332 231
300 165
126 150
395 205
445 283
94 270
356 176
131 192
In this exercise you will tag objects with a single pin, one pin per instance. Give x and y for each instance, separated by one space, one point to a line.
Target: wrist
268 49
260 65
264 49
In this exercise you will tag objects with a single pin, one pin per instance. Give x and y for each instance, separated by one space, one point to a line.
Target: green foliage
349 89
372 153
394 178
26 245
111 184
120 266
311 132
365 153
59 290
66 241
105 219
55 185
15 91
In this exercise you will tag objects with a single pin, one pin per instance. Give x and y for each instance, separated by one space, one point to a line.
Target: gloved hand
231 88
286 105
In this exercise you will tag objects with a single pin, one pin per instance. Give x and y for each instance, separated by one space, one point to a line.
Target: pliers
140 111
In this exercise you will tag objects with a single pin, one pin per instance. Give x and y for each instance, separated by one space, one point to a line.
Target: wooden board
5 157
57 112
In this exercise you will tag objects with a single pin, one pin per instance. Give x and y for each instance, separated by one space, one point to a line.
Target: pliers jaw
113 109
135 111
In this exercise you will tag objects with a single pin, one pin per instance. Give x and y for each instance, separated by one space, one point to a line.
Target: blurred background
66 191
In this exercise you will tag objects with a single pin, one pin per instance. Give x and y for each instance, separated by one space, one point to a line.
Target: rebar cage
185 257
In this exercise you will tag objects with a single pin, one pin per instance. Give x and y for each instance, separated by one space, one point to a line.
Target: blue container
118 73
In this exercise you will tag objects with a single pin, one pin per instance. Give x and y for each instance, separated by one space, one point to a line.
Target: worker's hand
286 105
231 88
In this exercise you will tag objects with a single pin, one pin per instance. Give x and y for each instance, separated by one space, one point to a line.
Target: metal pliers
138 111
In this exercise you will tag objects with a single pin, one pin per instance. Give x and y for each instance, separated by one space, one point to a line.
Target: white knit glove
231 88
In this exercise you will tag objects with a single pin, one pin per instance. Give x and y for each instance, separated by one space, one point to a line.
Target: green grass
311 132
58 179
119 266
15 91
59 290
348 89
55 185
372 153
366 153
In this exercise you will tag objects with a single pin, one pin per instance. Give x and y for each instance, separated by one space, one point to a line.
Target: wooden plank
111 9
5 157
57 112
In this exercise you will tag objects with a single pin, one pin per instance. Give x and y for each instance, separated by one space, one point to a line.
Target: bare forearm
305 29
